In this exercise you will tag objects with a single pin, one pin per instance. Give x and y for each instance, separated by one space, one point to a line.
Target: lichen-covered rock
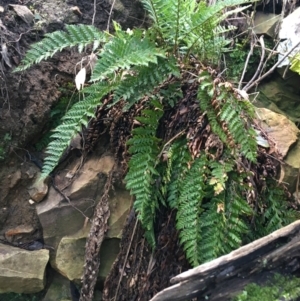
57 215
69 259
22 271
265 23
281 96
284 134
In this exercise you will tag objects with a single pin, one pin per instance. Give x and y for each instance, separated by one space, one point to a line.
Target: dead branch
220 278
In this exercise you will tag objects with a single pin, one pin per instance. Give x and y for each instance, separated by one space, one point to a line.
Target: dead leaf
4 54
80 79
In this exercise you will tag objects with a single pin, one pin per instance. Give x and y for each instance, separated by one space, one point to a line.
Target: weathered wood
220 278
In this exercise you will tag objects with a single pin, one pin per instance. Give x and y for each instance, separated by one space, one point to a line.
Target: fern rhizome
190 135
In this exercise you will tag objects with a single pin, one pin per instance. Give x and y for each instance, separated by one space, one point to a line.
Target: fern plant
158 70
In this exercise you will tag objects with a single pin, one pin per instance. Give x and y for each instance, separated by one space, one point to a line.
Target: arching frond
75 35
72 122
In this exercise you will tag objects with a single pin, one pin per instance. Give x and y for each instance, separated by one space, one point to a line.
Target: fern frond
212 226
188 217
123 52
75 35
177 167
77 116
169 18
228 115
224 222
275 212
143 79
205 96
145 147
219 173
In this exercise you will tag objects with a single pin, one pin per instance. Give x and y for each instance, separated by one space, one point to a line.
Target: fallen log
222 278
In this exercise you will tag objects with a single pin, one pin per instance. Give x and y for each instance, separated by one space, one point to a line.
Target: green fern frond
145 147
143 79
125 52
205 96
72 122
237 210
75 35
177 167
188 217
275 213
213 223
169 17
224 221
237 114
219 173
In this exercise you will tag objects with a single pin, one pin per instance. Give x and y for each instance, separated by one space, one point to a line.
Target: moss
278 288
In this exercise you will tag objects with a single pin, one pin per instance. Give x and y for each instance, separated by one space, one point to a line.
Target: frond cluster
209 192
191 26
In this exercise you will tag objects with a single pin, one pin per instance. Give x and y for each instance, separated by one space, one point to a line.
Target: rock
265 23
39 189
69 259
289 34
279 128
119 204
15 178
108 253
87 180
23 12
59 218
22 271
281 96
59 289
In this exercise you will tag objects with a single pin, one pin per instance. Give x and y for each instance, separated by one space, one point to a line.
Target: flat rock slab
22 271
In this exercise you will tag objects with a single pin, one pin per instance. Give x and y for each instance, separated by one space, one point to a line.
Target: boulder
21 231
284 134
65 222
265 23
281 96
60 217
279 128
69 259
22 271
289 36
